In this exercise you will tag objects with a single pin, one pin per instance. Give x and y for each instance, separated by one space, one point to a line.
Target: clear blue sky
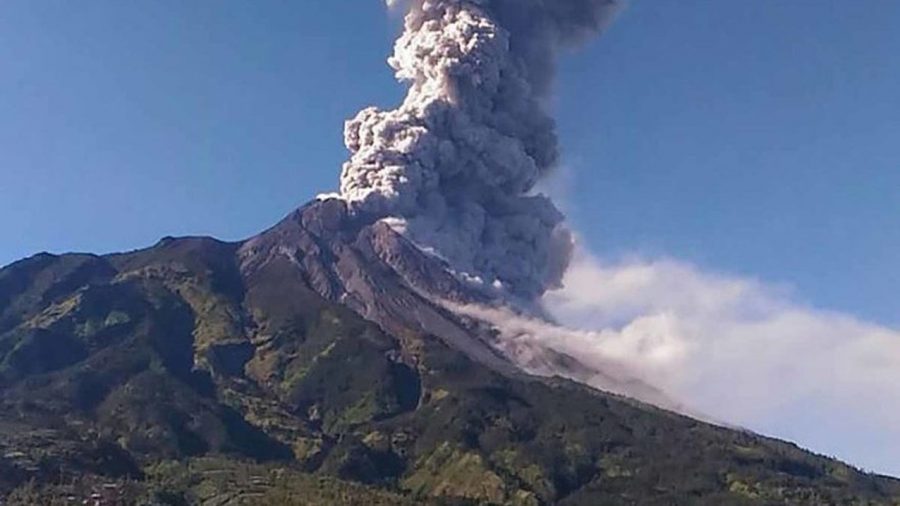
760 138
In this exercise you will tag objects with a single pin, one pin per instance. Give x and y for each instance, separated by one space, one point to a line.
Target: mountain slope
315 348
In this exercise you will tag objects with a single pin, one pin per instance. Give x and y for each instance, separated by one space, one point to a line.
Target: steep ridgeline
309 355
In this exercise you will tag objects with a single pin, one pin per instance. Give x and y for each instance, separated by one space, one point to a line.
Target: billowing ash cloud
456 163
734 349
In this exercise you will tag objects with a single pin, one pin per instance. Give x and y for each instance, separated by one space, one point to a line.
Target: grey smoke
455 165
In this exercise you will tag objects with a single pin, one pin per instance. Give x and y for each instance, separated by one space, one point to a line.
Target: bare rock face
375 271
386 279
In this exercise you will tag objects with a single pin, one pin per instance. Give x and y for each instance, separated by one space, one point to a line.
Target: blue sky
758 139
761 138
754 137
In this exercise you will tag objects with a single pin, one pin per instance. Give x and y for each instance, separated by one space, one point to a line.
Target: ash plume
455 165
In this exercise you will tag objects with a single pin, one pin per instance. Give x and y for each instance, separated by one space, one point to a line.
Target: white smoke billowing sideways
735 350
454 168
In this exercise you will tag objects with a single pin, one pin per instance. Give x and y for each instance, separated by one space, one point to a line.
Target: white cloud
738 350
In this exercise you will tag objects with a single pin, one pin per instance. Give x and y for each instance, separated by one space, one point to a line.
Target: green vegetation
166 376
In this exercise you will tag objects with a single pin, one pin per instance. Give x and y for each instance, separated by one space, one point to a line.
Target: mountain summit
314 364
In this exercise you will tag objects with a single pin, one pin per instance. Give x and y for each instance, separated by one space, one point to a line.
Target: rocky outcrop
375 271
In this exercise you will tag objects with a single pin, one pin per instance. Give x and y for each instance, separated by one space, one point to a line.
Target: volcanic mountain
313 364
342 356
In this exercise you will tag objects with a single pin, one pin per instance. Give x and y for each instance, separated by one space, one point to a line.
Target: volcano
317 364
344 357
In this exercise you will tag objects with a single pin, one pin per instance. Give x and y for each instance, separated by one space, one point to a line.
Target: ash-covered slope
373 270
313 348
381 275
